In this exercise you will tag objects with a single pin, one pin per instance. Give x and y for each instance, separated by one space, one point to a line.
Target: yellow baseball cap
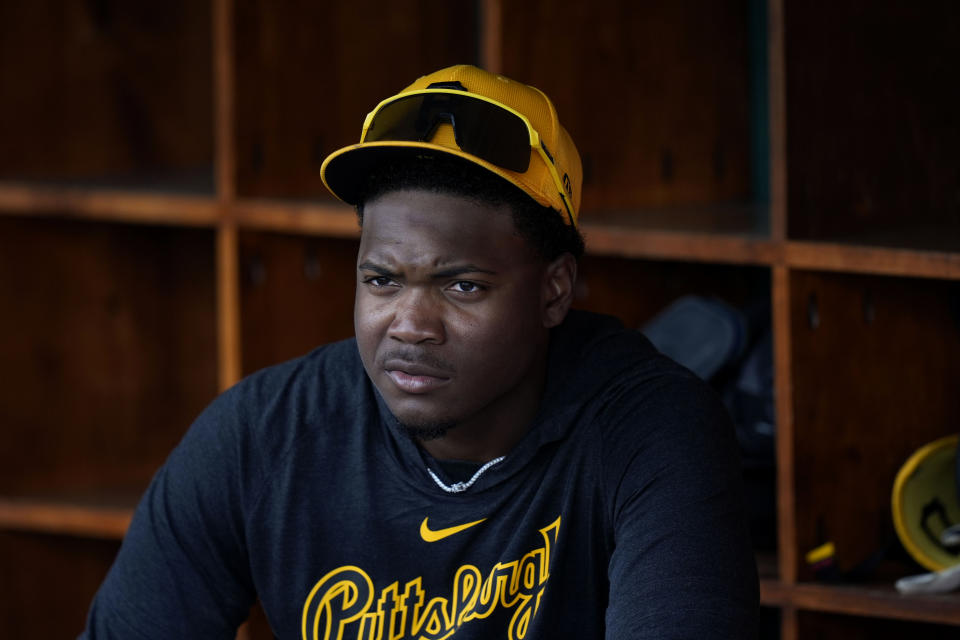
504 126
925 502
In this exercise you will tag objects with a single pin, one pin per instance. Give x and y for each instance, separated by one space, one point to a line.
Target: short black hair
544 228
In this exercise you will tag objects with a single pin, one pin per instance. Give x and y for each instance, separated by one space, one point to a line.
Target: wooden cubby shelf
66 517
118 96
164 230
659 244
604 237
109 205
333 219
845 258
864 601
880 601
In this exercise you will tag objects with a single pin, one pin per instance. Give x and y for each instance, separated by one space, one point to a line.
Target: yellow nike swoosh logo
432 536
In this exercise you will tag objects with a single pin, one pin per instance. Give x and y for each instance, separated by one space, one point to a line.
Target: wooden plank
877 602
296 293
778 121
96 204
789 624
655 94
773 593
335 220
491 34
783 381
102 522
224 68
228 306
873 260
307 76
636 242
338 220
110 330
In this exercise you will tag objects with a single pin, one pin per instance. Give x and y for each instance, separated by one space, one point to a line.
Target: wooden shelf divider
774 593
333 219
656 244
783 394
338 220
880 601
65 518
224 92
229 354
778 120
847 258
491 28
134 207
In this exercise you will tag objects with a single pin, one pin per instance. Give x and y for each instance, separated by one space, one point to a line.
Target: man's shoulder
335 365
599 356
295 405
306 389
642 413
626 381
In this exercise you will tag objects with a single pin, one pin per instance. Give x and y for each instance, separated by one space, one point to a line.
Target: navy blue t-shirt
619 514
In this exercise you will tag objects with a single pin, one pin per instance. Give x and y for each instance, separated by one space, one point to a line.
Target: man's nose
417 318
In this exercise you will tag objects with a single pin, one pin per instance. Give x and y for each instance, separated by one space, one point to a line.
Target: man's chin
419 417
424 431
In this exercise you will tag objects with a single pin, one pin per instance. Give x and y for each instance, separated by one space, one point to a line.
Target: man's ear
556 296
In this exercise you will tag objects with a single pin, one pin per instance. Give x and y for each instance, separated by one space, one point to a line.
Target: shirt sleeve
682 565
182 570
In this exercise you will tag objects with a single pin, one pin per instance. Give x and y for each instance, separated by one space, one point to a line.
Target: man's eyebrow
376 268
442 274
449 272
459 270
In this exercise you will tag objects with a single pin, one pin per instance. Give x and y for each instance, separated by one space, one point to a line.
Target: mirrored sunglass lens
494 134
396 121
481 128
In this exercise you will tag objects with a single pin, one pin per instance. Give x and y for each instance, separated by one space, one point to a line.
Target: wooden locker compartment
296 294
305 79
657 97
107 94
636 290
872 130
49 582
830 626
875 364
109 350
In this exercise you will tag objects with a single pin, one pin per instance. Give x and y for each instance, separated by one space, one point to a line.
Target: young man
479 462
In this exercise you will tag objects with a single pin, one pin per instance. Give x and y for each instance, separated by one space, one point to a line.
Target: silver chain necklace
459 487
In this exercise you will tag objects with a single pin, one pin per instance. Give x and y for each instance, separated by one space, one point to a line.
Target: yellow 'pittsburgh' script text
341 604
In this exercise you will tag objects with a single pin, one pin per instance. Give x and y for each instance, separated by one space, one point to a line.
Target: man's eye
378 281
465 286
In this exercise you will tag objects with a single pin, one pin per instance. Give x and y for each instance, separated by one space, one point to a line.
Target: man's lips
412 377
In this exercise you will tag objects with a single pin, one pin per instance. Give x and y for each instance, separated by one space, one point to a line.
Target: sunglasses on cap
482 127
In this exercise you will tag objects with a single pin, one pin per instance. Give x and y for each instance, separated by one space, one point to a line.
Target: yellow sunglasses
482 127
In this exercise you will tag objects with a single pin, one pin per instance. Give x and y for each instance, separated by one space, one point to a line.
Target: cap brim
344 170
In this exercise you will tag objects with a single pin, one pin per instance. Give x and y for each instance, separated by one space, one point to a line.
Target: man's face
448 312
